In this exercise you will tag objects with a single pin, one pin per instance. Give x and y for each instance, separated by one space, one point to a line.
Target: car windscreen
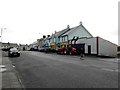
14 50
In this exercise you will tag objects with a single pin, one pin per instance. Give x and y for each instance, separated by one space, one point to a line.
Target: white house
55 38
7 45
40 43
79 31
23 47
98 46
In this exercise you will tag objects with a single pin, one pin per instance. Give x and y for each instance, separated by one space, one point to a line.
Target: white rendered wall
107 48
89 41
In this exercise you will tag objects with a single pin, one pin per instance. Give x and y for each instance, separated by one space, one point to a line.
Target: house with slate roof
62 37
55 38
82 39
8 45
78 31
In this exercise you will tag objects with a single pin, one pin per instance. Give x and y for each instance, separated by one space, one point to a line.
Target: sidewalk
10 78
0 70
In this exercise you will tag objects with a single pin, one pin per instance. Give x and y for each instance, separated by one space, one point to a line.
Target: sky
27 20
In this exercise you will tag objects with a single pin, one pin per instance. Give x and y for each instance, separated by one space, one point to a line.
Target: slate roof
73 29
10 44
61 32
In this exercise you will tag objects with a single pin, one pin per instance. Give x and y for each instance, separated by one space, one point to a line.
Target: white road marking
111 70
111 60
2 68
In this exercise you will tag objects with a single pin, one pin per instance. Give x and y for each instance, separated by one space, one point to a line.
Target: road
41 70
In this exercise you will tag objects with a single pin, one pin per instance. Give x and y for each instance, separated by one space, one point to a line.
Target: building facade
78 31
7 45
80 37
98 46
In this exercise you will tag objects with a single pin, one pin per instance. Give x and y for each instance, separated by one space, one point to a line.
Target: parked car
66 50
41 49
47 49
13 52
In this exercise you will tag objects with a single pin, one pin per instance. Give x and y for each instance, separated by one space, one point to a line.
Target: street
41 70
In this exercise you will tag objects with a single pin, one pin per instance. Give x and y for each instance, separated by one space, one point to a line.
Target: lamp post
43 40
2 67
1 34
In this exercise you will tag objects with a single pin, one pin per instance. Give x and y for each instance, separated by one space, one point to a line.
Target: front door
89 49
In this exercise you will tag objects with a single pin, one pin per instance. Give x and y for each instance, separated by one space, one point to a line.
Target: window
58 39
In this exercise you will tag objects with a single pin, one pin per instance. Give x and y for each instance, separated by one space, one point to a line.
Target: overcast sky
25 19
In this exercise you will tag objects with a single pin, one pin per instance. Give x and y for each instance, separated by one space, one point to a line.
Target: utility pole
2 67
2 33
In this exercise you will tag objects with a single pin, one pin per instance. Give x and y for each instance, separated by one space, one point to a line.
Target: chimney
68 26
55 32
48 35
81 23
44 36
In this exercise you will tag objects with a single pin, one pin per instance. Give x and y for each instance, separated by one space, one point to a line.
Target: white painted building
23 47
33 45
91 45
98 46
7 45
40 43
78 31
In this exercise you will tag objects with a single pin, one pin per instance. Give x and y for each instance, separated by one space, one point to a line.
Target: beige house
40 43
7 45
23 47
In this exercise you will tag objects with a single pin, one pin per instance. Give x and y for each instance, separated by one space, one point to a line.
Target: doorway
89 49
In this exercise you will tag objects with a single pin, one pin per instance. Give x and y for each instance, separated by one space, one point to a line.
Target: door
89 49
78 47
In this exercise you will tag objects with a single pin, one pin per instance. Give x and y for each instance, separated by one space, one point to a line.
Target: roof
61 32
74 28
23 45
71 30
11 44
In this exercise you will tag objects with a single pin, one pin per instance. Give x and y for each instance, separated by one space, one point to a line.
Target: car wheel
65 52
57 52
9 55
62 52
70 53
18 55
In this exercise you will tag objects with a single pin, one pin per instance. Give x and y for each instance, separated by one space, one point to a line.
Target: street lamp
1 33
2 67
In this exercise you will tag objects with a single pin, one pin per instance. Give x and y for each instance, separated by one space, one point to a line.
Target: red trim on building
97 45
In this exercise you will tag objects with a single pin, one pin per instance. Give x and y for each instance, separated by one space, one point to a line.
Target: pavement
9 78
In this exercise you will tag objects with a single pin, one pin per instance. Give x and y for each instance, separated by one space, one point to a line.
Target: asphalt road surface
41 70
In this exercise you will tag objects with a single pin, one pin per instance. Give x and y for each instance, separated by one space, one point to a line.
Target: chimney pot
48 35
81 23
44 36
68 26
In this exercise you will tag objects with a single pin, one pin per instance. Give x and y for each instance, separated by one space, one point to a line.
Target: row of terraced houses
78 36
91 45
